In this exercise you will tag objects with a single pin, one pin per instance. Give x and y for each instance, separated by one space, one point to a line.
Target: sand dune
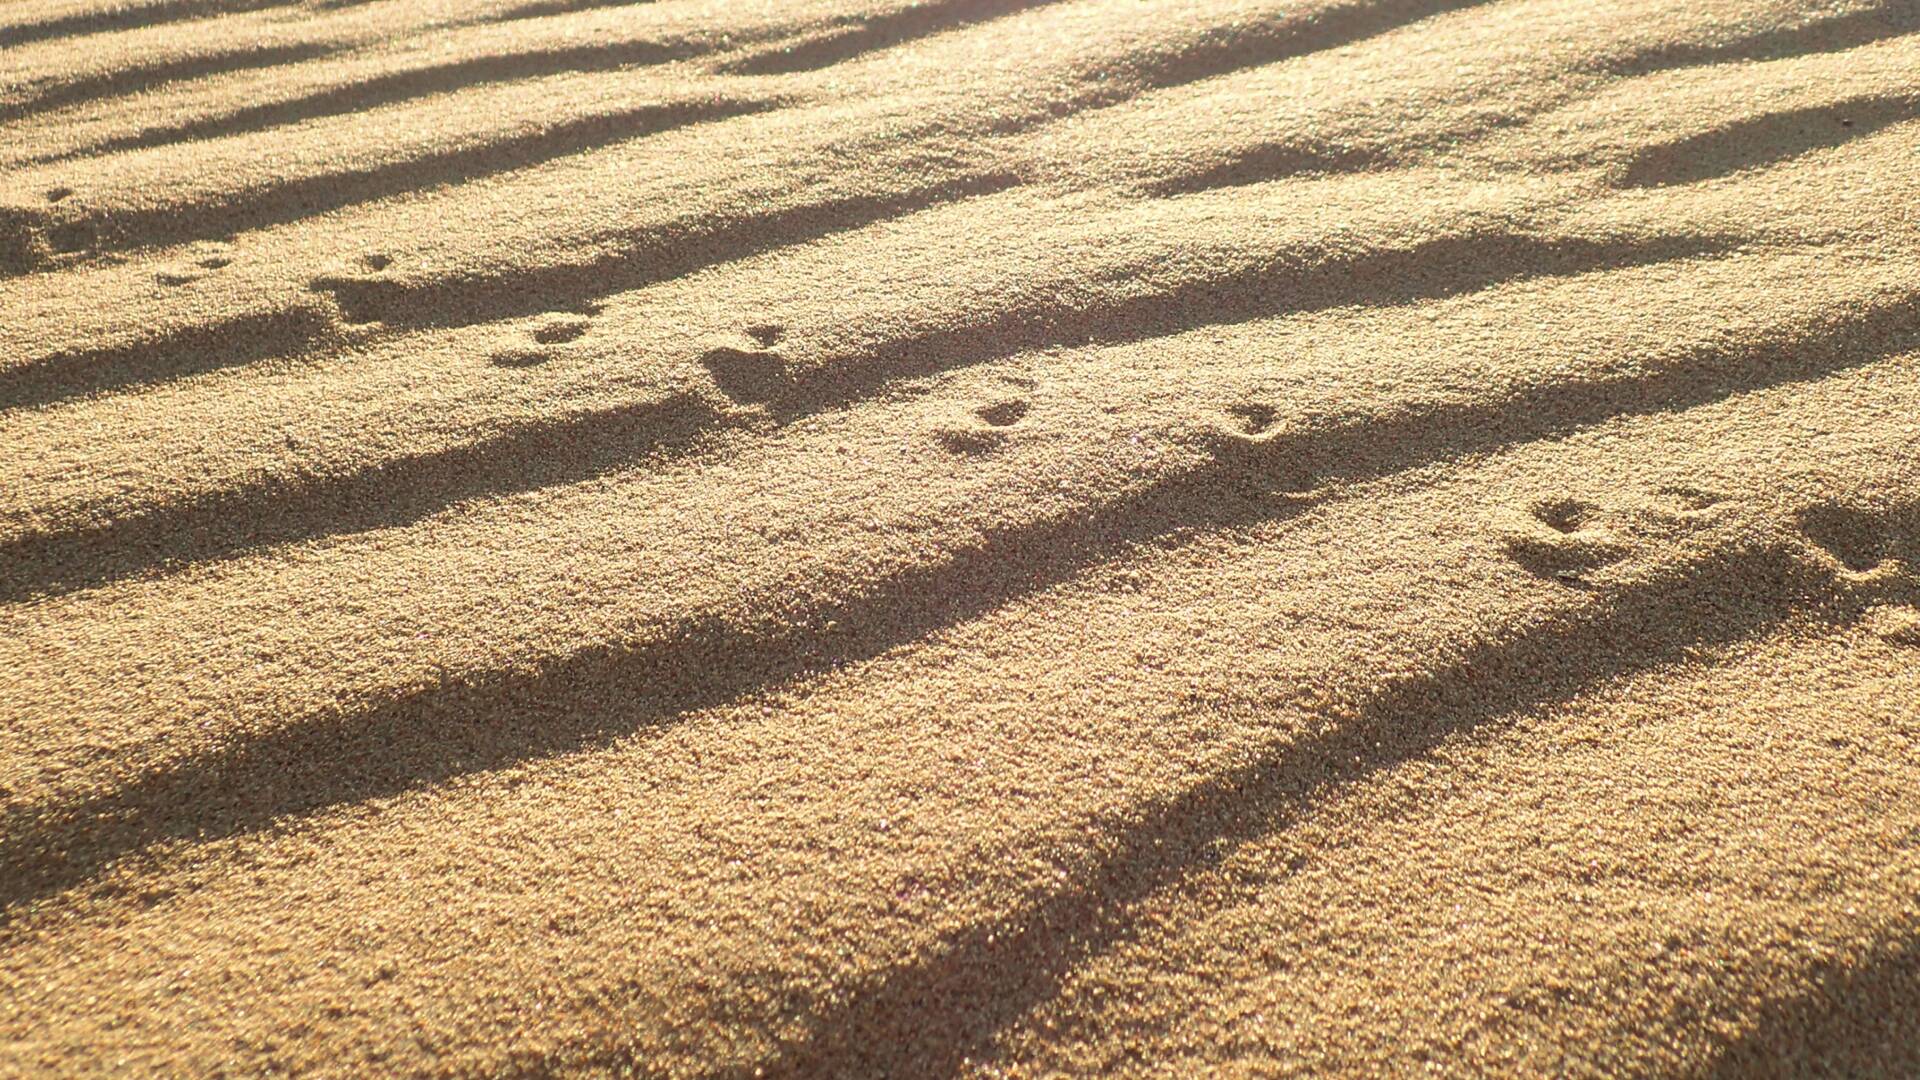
967 537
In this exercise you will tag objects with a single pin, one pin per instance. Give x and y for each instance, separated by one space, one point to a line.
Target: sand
966 538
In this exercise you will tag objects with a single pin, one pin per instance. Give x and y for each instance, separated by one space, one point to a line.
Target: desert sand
964 538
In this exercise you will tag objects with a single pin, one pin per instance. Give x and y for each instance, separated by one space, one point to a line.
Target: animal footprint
1858 540
519 357
362 292
1690 500
1878 555
22 247
1564 516
986 428
749 372
1563 539
554 329
557 333
557 329
1004 413
1254 418
199 260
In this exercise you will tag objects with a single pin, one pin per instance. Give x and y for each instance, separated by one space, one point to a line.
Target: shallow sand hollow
976 538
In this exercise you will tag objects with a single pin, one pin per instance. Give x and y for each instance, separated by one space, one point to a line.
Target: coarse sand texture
959 538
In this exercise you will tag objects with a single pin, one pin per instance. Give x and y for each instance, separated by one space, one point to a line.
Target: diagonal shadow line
1763 140
1857 1019
1274 40
175 354
1297 157
1230 49
233 520
1292 156
131 80
284 510
944 1008
540 9
1303 156
1889 19
110 229
129 17
872 33
648 256
1271 161
606 692
387 89
1284 284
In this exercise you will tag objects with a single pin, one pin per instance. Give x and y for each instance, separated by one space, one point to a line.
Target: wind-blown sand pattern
961 538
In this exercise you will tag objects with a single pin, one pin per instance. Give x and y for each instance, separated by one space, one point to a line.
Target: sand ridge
970 537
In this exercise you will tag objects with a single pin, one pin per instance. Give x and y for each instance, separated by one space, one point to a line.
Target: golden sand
974 537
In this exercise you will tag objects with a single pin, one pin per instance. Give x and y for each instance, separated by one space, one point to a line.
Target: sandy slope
978 537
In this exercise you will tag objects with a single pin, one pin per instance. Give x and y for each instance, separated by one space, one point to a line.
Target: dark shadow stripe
388 89
133 80
864 34
1286 37
1849 30
129 17
1271 161
602 693
649 256
1286 284
175 354
1764 140
1860 1017
116 229
398 491
1225 50
1297 157
540 9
